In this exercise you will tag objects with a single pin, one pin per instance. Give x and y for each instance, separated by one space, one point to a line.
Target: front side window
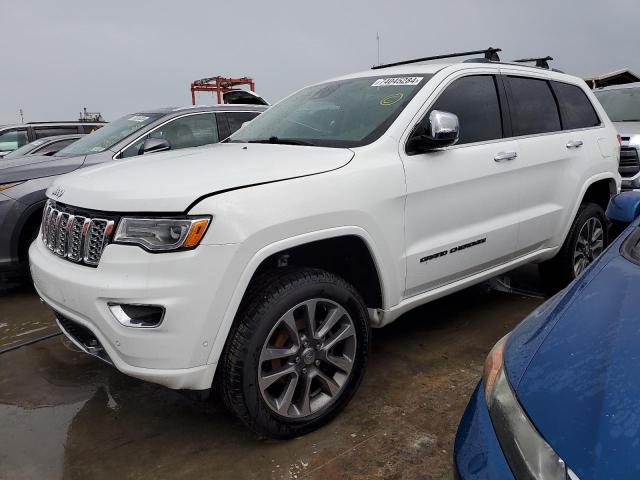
622 105
184 132
109 135
13 139
575 107
342 113
533 107
474 100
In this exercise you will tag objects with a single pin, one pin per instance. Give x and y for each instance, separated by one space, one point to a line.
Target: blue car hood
576 370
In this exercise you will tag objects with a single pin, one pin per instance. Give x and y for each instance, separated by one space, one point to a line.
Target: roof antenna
378 40
541 62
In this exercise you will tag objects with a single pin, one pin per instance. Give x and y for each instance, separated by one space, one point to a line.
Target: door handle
505 156
575 144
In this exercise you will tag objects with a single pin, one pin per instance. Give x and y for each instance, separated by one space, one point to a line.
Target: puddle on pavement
64 414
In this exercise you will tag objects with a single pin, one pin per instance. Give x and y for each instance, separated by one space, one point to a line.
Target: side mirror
153 145
442 130
624 208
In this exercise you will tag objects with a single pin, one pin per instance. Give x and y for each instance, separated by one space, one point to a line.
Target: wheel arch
30 217
594 189
293 246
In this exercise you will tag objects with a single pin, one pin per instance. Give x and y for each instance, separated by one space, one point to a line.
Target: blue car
560 395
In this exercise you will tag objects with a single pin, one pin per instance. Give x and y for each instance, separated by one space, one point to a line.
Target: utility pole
21 116
378 40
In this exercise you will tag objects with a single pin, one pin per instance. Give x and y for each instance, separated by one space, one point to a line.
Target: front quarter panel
270 218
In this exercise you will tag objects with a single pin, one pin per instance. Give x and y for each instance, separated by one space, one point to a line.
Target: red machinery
219 85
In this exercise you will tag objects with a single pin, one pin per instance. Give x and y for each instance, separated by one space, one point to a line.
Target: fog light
137 316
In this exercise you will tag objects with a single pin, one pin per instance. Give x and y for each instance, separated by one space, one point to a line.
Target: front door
462 204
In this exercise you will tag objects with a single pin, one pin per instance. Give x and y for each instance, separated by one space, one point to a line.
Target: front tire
296 354
587 238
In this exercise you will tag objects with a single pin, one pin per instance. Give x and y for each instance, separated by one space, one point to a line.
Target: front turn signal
196 232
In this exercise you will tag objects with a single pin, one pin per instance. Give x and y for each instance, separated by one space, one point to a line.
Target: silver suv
23 181
622 104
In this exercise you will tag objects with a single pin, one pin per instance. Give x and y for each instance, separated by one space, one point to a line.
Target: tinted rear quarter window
575 107
533 106
236 119
474 99
50 131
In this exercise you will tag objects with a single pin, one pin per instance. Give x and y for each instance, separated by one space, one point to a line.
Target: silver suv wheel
589 245
307 358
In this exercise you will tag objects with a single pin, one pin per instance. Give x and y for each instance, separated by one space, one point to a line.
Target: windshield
344 113
107 136
621 105
23 150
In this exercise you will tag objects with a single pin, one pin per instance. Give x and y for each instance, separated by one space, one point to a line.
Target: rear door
553 153
461 214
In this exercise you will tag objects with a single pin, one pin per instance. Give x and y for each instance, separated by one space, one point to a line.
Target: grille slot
74 235
629 162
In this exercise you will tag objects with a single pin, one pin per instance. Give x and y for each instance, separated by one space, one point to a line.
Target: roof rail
490 54
541 62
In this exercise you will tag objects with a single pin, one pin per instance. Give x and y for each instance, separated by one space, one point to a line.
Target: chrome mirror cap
444 128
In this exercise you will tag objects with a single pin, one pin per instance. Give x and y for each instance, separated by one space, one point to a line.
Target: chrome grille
75 237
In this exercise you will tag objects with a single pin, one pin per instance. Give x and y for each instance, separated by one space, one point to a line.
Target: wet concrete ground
66 415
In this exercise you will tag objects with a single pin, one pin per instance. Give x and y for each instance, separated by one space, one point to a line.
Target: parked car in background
622 104
23 181
264 260
13 137
45 146
559 395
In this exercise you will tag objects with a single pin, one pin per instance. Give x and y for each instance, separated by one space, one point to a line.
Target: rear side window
575 107
474 100
50 131
236 119
90 128
533 107
54 147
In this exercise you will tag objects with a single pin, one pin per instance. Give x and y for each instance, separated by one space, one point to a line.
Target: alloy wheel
307 358
589 245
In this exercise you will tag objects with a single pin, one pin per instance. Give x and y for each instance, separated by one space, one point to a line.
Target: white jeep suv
264 261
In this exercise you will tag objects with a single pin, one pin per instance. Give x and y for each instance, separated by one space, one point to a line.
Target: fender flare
590 181
257 259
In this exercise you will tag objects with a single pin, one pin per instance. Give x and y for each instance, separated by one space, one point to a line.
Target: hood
171 181
581 388
31 167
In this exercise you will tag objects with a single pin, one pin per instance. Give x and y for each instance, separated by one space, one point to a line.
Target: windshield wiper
282 141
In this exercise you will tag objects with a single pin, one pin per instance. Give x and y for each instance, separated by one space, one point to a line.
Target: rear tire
309 329
587 238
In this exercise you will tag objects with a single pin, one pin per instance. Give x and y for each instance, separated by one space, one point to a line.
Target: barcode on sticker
395 81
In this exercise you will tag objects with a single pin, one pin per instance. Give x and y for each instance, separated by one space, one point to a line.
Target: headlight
162 234
527 453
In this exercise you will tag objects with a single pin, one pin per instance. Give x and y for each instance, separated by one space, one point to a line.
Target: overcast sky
119 56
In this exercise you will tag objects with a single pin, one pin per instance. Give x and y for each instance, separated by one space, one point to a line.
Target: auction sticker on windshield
385 82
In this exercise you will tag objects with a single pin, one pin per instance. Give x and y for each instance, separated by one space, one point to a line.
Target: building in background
617 77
